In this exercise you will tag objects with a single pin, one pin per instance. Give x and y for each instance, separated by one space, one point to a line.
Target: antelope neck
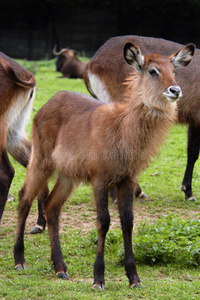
152 108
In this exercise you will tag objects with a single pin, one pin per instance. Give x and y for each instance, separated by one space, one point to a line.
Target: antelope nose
175 90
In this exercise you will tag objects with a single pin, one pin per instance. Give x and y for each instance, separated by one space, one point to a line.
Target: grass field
172 268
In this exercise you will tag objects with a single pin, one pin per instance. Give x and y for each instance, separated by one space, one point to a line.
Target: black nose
175 90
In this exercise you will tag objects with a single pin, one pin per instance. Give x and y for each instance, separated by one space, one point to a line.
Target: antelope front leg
103 222
125 205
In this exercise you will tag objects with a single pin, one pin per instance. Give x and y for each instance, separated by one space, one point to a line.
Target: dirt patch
83 216
77 217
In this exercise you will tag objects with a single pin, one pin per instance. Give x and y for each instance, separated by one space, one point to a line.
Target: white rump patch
18 115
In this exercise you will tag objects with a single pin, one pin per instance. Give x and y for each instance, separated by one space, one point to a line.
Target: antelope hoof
143 195
136 285
99 286
63 276
37 229
192 198
10 198
20 267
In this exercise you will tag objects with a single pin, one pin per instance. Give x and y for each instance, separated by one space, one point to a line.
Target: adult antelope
105 144
68 63
106 72
17 91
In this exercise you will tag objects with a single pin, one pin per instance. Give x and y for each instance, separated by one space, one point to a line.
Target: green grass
166 279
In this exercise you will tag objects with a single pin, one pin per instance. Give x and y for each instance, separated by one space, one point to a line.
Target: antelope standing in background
105 144
106 72
17 91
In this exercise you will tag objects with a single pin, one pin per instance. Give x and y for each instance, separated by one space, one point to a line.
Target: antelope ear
183 57
133 56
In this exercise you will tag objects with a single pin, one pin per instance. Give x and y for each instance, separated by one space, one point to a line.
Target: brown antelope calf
17 91
68 63
106 72
105 144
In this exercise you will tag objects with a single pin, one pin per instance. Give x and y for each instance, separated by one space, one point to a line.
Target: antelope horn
60 52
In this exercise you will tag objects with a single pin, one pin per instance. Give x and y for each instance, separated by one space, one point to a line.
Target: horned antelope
17 93
105 144
106 71
68 63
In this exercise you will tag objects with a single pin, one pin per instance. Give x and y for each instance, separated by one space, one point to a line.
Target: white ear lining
183 57
136 57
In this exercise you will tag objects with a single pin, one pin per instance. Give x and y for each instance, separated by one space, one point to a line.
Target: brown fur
16 97
69 64
109 67
105 144
15 92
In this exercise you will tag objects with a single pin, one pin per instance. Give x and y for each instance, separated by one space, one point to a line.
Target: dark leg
125 204
26 197
23 211
138 193
35 184
53 205
113 193
20 148
103 222
192 155
6 176
41 221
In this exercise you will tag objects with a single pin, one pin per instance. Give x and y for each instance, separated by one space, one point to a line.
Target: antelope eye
153 72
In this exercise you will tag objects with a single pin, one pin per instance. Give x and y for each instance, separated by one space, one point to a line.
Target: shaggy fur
16 96
106 71
105 144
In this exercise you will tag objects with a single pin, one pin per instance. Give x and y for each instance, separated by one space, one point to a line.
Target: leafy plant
168 240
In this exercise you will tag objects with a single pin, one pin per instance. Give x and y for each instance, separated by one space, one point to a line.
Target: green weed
168 240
